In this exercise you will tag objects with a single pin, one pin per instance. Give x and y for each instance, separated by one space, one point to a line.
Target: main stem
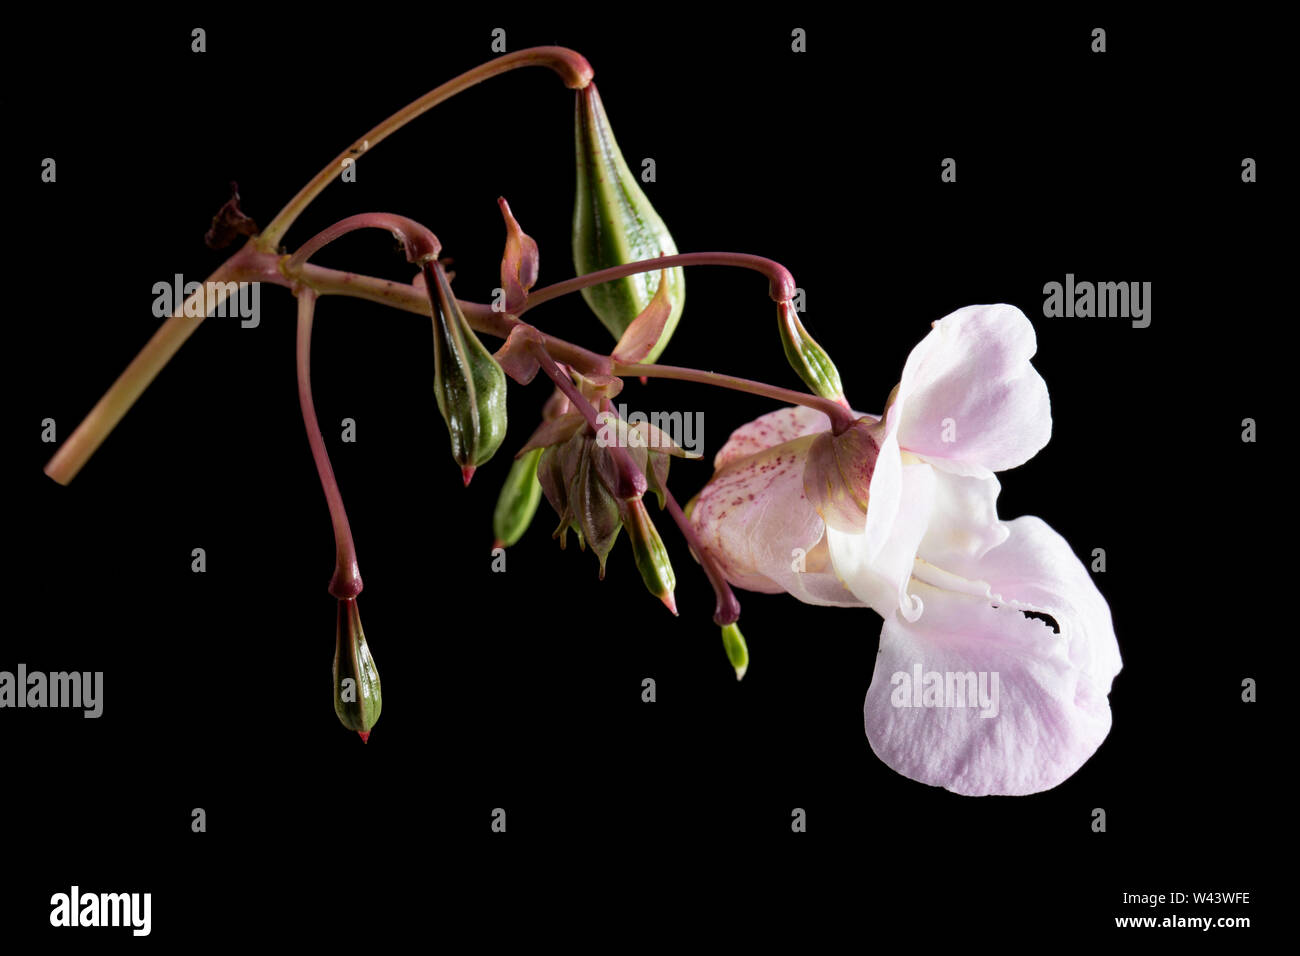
346 582
572 67
73 454
135 378
250 264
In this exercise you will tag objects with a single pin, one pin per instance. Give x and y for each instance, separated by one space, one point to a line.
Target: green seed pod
650 553
467 381
614 224
357 696
737 651
518 501
806 357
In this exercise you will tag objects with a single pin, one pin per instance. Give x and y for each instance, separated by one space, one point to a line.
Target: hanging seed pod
467 381
357 696
614 224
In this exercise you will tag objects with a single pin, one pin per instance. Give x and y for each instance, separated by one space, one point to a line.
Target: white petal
877 564
1052 711
970 401
964 523
1036 570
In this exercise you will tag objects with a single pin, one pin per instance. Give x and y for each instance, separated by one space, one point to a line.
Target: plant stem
250 265
346 582
571 66
417 241
411 298
780 283
727 609
841 417
135 378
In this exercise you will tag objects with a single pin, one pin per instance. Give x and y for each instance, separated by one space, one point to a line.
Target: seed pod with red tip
467 381
650 553
357 696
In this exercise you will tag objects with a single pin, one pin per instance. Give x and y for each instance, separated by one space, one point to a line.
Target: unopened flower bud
614 224
737 651
806 357
357 697
650 553
468 382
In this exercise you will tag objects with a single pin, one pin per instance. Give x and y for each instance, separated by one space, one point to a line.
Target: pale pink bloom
931 556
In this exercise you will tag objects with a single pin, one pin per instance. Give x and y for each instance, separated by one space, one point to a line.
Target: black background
523 690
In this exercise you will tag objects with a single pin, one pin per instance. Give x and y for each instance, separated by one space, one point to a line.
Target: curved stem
841 418
780 283
571 66
346 582
727 610
419 243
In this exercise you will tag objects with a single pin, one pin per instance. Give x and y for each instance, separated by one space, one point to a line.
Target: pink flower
900 514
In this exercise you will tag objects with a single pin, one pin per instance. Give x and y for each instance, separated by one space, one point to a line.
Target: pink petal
969 401
754 518
774 428
1052 708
